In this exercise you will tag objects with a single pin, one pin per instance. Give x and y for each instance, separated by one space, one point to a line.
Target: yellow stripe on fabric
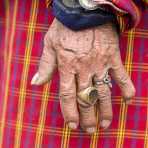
7 25
123 108
65 136
95 136
138 101
146 129
48 3
121 23
42 117
8 61
23 83
131 134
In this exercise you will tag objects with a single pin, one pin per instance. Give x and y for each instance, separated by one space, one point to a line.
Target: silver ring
105 80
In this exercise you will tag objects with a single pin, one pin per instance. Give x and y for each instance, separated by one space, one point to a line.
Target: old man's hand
84 60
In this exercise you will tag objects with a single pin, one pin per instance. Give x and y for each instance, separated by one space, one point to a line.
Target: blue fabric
80 18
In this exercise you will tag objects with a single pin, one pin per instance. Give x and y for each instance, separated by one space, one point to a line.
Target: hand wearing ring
90 94
83 59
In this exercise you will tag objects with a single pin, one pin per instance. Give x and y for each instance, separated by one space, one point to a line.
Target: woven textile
133 13
30 116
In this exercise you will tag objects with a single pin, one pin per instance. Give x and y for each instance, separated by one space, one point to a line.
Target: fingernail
34 79
105 123
72 125
91 130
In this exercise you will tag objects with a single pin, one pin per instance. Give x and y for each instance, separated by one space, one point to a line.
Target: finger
68 99
121 77
87 113
37 79
88 118
105 105
47 64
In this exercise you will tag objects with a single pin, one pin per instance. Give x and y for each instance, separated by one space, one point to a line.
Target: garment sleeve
128 12
133 9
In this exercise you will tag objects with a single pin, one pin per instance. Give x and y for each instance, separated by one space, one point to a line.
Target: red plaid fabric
30 116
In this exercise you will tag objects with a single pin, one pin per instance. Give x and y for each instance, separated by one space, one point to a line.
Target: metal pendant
88 4
89 95
71 3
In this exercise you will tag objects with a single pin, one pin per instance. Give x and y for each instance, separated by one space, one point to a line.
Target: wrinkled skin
82 57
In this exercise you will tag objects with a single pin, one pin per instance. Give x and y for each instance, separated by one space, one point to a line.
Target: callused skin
81 58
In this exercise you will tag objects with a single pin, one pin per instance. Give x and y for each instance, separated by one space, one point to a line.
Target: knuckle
133 91
130 92
106 111
103 92
67 97
70 116
69 111
88 123
124 79
87 116
87 110
83 103
108 116
46 38
64 97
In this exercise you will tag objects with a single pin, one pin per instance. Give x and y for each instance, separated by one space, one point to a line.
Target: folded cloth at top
133 13
128 10
71 14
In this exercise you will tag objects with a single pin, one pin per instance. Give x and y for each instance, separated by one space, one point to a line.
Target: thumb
47 64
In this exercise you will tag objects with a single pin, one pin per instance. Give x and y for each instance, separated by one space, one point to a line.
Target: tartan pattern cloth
30 116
